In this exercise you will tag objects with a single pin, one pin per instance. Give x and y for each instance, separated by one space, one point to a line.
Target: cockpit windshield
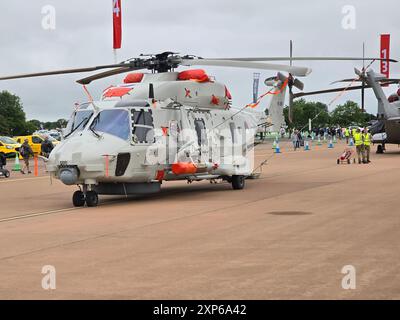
115 122
78 121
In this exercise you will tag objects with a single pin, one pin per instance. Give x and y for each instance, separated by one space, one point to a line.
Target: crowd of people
361 138
327 133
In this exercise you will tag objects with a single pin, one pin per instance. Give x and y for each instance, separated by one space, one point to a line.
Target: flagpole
115 56
117 26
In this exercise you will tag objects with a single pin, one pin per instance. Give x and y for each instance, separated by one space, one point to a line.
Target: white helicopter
162 126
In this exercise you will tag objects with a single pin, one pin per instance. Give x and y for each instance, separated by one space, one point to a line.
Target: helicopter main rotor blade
393 80
302 94
106 74
305 59
64 71
297 71
346 80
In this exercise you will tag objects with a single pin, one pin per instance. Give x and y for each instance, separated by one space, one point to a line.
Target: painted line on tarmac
31 215
23 179
43 213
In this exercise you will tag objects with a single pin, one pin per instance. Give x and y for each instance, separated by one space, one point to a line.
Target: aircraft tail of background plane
385 111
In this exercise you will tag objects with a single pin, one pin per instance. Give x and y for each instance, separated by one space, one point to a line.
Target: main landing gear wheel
92 199
238 182
379 149
78 199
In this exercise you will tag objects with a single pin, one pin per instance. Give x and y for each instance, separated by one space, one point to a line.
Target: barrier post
107 164
277 148
36 166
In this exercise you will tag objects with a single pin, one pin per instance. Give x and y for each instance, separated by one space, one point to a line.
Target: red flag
385 54
117 24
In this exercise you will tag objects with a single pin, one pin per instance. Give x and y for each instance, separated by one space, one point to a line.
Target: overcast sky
207 28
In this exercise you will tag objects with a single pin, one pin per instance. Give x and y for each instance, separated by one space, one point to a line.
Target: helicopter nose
69 176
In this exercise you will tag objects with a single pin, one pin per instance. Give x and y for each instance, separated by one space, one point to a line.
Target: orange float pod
134 77
184 168
198 75
115 92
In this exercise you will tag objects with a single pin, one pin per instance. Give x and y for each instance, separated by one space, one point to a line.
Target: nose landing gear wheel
92 199
78 199
238 182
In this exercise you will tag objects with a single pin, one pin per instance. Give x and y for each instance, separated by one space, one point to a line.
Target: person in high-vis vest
359 142
353 131
347 134
367 145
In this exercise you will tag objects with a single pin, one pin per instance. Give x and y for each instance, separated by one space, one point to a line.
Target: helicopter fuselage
131 147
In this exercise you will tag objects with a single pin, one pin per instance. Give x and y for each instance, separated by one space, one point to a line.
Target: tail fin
384 109
277 101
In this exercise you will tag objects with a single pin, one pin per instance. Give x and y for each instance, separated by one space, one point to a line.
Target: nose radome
69 176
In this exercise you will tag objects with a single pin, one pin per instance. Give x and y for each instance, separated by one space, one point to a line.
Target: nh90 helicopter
162 126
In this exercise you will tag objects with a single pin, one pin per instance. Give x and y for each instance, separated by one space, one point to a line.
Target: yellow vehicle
35 141
9 147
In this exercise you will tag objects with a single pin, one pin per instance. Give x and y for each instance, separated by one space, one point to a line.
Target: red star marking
187 94
214 100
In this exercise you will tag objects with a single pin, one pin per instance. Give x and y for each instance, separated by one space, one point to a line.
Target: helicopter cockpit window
114 122
78 121
142 126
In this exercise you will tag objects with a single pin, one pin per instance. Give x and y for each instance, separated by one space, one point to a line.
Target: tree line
13 119
343 115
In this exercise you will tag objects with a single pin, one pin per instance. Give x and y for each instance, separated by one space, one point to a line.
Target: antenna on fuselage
151 93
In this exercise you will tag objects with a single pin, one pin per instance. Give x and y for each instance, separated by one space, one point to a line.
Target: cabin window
113 122
233 129
142 126
200 128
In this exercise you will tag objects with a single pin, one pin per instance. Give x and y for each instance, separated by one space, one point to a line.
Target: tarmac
287 235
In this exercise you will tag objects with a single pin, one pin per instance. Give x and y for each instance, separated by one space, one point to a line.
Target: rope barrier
253 105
